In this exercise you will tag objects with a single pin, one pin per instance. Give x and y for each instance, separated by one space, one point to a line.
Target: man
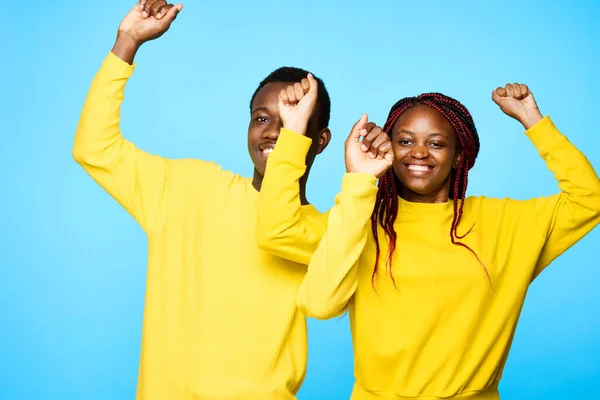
220 319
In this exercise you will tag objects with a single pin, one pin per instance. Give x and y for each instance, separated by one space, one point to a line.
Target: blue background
72 261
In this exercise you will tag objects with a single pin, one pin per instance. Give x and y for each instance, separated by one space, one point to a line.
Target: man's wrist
298 128
126 46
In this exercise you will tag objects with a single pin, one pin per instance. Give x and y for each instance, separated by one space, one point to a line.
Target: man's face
265 125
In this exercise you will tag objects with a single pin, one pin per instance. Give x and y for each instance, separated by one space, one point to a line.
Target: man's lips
266 148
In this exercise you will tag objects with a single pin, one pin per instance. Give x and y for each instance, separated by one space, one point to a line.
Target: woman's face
425 149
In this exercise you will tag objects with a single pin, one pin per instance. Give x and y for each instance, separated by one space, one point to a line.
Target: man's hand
297 103
148 20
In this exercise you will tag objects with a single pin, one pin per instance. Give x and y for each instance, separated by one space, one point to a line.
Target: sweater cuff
545 136
291 147
114 66
359 184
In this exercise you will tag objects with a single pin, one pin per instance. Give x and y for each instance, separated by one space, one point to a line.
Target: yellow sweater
444 332
220 318
285 227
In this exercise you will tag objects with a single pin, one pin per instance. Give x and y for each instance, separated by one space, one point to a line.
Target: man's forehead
267 96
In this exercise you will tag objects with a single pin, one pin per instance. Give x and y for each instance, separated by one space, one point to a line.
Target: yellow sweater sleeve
137 180
285 227
568 216
142 183
332 276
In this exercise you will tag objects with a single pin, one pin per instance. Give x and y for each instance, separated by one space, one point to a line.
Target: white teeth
267 151
422 168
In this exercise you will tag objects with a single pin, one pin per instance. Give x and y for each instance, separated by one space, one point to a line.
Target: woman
435 281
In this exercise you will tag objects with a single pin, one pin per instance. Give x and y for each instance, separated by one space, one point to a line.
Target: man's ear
324 139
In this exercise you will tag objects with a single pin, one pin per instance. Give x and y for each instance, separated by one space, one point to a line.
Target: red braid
386 206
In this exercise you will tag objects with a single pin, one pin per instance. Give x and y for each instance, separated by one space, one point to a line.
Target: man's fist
297 103
148 20
516 101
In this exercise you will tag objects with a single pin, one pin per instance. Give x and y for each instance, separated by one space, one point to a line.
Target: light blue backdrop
72 262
